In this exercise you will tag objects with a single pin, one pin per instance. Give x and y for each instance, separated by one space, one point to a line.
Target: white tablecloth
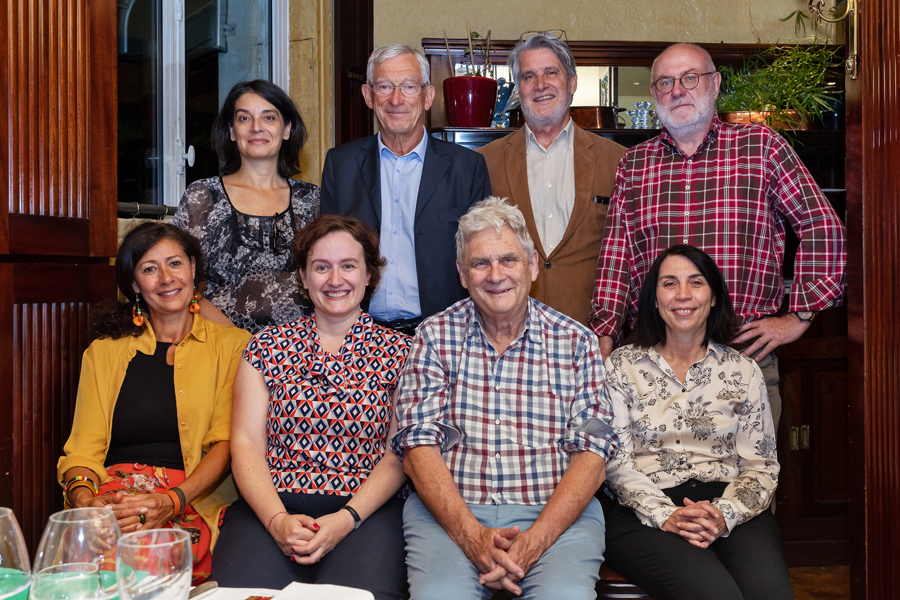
295 591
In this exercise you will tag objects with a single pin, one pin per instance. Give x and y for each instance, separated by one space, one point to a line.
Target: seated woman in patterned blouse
696 468
313 406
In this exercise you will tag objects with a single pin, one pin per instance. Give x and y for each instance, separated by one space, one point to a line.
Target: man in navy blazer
409 187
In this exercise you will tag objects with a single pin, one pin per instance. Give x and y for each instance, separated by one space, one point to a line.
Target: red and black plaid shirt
732 199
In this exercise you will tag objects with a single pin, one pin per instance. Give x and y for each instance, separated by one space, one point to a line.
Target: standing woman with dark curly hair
152 424
246 219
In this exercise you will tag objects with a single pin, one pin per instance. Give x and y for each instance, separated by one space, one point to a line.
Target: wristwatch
806 316
356 520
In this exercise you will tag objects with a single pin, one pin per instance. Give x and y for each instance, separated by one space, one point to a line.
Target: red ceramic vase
470 100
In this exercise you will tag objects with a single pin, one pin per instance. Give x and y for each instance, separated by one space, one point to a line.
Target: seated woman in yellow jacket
150 436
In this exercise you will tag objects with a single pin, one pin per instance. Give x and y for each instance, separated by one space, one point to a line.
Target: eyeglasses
688 81
386 88
560 34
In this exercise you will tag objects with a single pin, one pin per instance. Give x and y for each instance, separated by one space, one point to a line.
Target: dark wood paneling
354 36
50 236
58 109
873 204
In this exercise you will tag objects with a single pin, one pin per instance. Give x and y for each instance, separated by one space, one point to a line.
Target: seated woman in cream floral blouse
696 469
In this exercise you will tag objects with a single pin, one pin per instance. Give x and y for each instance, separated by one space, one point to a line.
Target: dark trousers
748 564
371 558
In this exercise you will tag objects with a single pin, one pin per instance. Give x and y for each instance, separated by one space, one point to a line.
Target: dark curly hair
113 319
226 149
721 323
357 229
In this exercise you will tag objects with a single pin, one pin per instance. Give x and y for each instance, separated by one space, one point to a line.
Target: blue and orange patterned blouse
329 414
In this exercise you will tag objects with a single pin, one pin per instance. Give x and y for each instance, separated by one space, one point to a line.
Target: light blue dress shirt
397 296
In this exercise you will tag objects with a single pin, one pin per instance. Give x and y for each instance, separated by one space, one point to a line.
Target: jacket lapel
433 170
517 179
370 169
584 181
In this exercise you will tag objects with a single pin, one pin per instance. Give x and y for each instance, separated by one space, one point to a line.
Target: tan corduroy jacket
566 276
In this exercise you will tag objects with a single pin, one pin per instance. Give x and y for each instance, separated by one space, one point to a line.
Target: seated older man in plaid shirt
503 424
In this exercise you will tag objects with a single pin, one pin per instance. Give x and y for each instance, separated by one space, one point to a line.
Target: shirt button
497 422
686 213
181 392
177 366
183 424
677 441
547 265
497 456
683 390
395 232
549 216
684 241
548 185
687 187
497 387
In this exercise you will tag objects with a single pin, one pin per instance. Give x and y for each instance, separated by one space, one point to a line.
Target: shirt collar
531 326
716 350
666 140
565 136
146 342
419 150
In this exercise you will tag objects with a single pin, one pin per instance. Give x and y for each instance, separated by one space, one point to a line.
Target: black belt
404 326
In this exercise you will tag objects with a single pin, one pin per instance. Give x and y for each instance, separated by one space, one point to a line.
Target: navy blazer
453 179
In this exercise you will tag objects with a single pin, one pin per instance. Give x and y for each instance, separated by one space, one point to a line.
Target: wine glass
15 568
154 565
76 557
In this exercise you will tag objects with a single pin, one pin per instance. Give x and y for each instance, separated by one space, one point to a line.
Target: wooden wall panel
59 123
873 204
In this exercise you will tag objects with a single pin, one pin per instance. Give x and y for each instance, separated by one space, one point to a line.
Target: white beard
700 116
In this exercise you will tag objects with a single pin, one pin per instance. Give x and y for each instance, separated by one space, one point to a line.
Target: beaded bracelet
283 512
76 482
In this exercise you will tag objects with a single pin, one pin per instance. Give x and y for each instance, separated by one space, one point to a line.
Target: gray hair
390 51
492 212
541 40
709 66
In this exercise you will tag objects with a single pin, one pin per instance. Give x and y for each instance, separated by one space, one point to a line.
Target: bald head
702 57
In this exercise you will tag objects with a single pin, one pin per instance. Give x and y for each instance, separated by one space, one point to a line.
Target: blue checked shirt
507 423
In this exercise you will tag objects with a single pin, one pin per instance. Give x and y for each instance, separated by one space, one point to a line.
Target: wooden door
873 205
57 230
354 40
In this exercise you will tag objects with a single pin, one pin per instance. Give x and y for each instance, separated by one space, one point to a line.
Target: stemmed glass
15 568
154 565
76 555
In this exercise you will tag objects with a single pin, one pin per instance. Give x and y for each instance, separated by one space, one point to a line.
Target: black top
145 421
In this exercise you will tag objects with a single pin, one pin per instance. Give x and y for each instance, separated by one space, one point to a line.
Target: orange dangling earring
195 306
136 317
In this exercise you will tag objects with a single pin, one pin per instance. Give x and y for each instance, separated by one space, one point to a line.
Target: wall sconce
852 16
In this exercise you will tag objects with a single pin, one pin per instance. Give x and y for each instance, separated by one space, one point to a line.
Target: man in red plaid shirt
729 190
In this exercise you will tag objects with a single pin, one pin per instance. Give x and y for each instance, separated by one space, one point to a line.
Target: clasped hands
700 523
306 540
503 556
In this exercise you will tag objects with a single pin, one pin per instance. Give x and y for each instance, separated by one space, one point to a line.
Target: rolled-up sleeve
590 423
424 391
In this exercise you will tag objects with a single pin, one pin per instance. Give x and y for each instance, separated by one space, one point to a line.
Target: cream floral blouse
715 426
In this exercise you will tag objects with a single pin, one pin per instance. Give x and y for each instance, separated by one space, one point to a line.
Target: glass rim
128 540
67 568
74 515
4 511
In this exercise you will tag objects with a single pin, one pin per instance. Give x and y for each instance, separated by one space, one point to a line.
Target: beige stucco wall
311 79
705 21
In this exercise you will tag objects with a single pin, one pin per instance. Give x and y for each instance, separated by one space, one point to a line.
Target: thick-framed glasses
560 34
407 88
688 81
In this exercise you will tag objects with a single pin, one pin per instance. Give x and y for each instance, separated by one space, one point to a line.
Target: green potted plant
784 86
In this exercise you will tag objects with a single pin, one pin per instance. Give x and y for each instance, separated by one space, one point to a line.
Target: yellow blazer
205 364
566 276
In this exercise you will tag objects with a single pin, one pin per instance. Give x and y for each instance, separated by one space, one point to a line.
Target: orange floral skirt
134 478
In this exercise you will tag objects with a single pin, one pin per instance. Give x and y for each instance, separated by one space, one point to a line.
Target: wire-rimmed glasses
689 81
408 88
15 568
560 34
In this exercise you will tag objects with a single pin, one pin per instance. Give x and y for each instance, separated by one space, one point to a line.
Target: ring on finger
143 518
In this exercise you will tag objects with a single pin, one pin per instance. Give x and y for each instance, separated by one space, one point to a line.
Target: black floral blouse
250 274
